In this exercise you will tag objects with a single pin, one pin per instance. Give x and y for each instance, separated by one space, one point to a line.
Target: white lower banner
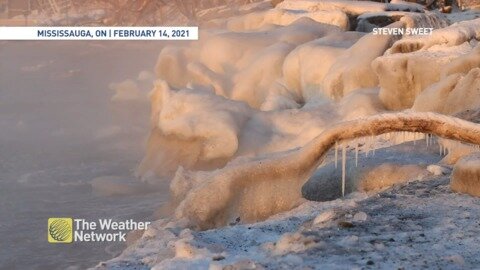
99 33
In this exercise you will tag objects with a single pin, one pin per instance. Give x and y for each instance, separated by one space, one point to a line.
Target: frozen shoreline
245 163
402 227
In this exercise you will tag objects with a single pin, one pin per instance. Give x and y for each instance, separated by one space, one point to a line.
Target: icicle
374 146
344 166
366 147
356 153
336 155
427 139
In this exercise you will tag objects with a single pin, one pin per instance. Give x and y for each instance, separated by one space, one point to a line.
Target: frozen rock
464 63
466 175
416 62
324 217
305 67
293 242
360 217
349 241
451 36
455 93
250 73
434 97
403 76
465 95
361 103
353 69
181 135
438 170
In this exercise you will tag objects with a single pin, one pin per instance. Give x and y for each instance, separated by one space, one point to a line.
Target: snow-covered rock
416 62
251 72
466 175
452 95
353 70
453 35
403 76
305 67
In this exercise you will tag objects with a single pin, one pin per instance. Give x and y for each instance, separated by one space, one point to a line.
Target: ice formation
392 165
247 189
414 63
466 175
233 112
278 104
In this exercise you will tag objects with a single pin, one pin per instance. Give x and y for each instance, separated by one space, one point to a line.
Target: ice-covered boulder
415 62
465 95
305 67
464 63
244 66
360 103
466 175
403 76
434 97
191 128
453 94
353 69
453 35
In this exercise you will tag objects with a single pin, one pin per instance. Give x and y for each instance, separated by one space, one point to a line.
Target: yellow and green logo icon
60 230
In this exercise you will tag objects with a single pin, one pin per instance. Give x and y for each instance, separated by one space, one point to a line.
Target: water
58 131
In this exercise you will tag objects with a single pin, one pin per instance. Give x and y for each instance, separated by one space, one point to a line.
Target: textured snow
405 226
466 175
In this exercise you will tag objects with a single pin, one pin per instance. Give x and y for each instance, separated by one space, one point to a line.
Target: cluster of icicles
369 146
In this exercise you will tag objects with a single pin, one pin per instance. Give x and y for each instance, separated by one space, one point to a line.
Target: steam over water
59 130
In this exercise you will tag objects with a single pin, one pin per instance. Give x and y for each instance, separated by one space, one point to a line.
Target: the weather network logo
69 230
60 230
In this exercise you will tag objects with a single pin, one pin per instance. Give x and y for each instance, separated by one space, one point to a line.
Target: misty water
59 130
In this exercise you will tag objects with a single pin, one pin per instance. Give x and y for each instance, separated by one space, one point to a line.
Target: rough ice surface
466 175
401 84
411 218
276 105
